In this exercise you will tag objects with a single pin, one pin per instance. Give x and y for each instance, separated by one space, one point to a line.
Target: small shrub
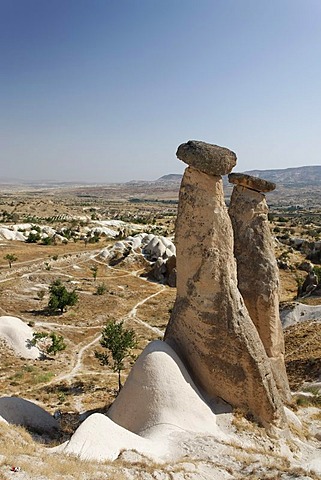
41 294
33 237
47 241
10 257
50 343
101 289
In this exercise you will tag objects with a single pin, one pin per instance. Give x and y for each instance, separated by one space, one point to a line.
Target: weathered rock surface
159 392
19 411
210 328
207 158
298 312
18 336
258 278
155 254
309 286
254 183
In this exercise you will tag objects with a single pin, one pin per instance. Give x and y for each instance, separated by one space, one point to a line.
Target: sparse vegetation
101 289
94 270
48 342
41 294
39 381
60 297
119 342
10 258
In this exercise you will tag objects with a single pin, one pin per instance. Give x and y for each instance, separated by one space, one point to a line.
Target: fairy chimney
258 276
210 327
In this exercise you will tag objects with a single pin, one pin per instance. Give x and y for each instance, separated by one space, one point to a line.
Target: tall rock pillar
258 276
210 327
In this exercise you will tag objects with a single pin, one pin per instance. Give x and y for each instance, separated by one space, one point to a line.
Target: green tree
119 341
11 258
94 269
60 297
55 342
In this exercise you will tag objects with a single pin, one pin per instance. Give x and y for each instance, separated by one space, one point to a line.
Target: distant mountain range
291 177
294 176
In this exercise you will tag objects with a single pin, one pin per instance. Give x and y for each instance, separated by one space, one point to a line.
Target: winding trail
77 364
133 313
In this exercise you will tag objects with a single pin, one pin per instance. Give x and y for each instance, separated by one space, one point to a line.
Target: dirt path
133 313
33 266
75 368
78 361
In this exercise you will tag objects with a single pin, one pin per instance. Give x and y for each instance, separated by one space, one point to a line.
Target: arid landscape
65 232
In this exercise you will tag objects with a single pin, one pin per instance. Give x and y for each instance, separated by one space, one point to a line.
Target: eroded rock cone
210 328
258 276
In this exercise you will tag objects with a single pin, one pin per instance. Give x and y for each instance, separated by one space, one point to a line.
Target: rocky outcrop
210 327
310 286
18 411
258 278
155 254
170 397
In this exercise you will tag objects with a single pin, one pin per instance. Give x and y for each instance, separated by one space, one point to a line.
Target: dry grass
14 441
157 310
79 325
92 386
303 353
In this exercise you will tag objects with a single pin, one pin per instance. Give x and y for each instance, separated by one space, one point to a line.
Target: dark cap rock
254 183
207 158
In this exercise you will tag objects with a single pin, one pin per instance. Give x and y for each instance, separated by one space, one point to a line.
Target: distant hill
171 177
294 176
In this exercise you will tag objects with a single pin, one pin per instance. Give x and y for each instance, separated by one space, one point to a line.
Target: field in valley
73 381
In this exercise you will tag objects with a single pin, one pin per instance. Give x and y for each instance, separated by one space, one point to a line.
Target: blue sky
105 90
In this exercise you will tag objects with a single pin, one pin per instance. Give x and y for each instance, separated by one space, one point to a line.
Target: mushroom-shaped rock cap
207 158
254 183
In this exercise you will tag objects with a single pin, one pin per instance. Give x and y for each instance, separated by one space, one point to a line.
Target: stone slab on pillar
258 276
210 327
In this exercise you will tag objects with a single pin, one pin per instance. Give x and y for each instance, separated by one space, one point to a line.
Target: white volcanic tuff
108 232
99 438
7 234
19 411
298 312
158 398
160 391
12 233
18 336
152 246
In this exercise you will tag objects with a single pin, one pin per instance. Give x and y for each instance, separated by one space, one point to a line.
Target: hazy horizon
104 91
12 180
